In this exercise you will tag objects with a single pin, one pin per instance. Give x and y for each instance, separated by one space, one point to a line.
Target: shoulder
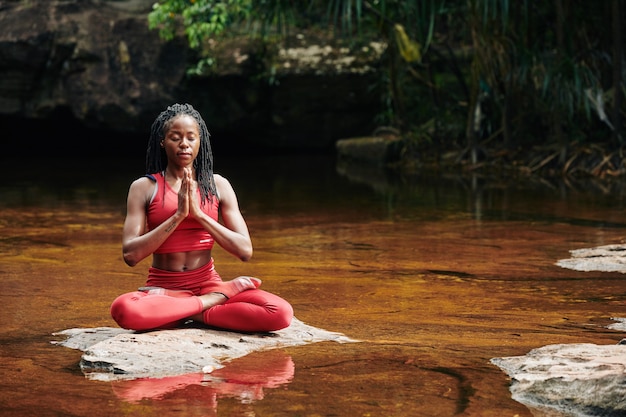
143 186
145 181
220 180
224 188
221 183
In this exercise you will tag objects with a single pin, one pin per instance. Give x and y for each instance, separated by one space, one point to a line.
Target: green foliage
204 20
507 70
201 19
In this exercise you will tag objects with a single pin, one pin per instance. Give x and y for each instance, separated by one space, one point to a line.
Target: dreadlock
156 159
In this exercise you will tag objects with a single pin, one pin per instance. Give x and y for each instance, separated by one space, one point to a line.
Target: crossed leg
153 307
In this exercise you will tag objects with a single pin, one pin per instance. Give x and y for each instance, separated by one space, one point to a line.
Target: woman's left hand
192 189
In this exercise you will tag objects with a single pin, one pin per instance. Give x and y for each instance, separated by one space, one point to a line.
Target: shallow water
434 276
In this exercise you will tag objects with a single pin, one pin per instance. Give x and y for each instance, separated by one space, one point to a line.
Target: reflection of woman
244 378
172 214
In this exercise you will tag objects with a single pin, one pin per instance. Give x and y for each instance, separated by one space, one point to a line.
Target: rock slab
570 379
607 258
116 354
575 379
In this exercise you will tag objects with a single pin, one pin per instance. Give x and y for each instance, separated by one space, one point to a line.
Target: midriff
181 261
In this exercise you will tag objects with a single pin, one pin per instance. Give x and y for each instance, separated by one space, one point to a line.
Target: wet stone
113 353
573 379
608 258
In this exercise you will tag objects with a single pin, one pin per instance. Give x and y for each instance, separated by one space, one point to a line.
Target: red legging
249 311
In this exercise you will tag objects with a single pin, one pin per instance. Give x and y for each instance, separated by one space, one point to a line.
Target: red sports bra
189 235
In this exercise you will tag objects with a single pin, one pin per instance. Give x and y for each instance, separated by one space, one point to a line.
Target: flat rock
570 379
620 325
116 354
608 258
575 379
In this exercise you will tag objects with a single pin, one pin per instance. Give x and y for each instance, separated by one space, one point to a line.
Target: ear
162 146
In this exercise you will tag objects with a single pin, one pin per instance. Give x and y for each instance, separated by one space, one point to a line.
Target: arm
233 235
136 243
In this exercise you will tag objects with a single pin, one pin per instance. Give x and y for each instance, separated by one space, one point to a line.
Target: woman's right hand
183 194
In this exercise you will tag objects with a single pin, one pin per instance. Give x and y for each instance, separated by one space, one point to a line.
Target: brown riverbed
434 278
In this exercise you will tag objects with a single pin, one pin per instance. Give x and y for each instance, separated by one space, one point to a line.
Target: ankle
212 299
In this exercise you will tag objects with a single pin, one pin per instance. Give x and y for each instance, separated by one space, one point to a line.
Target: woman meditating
173 214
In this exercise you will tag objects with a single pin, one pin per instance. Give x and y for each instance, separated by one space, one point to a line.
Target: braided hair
156 159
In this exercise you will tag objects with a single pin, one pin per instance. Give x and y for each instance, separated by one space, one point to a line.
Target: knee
283 316
122 310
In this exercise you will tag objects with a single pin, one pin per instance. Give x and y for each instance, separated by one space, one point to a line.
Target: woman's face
182 141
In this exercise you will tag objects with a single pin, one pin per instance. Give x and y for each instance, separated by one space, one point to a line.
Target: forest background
517 87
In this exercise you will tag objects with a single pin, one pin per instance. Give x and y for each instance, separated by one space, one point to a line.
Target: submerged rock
116 354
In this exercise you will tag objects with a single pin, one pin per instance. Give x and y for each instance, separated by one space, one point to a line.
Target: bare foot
224 290
212 299
235 286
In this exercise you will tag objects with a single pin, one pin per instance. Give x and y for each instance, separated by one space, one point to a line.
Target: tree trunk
560 45
618 58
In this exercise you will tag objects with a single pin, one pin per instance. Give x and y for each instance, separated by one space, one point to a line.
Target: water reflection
265 185
244 379
484 198
61 182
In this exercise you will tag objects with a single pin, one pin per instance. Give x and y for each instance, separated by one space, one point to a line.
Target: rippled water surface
434 276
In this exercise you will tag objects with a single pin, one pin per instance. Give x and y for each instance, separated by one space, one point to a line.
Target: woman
172 214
